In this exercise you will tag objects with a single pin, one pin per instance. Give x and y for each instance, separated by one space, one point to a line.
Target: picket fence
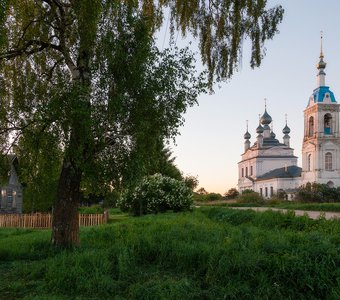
45 220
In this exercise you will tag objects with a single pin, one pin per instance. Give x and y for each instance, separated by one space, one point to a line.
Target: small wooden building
11 190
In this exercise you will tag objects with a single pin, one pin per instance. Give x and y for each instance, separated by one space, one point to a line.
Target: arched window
311 126
328 161
327 122
309 161
330 184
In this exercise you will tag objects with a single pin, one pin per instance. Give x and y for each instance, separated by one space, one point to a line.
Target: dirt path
312 214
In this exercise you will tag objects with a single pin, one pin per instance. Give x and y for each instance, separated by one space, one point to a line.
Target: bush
316 192
232 193
156 193
207 197
249 196
93 209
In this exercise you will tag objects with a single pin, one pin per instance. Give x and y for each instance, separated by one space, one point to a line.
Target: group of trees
316 192
87 100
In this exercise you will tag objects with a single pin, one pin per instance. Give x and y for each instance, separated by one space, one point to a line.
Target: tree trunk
65 221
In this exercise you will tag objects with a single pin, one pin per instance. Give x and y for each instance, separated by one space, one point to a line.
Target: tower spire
321 65
321 48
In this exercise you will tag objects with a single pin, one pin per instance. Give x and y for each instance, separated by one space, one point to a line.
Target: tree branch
25 49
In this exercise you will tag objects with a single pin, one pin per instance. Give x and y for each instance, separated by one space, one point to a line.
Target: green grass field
211 253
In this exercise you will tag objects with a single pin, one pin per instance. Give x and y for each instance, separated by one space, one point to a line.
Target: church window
251 170
309 158
327 123
246 171
311 126
328 161
271 191
330 184
261 193
242 173
266 191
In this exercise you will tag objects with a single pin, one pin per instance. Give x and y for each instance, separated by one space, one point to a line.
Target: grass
211 253
331 207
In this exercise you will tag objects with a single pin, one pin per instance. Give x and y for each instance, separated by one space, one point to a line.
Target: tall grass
212 253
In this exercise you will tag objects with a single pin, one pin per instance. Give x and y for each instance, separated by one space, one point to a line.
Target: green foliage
111 199
93 209
207 197
201 191
213 196
155 194
87 73
249 196
5 168
317 192
37 171
191 181
212 253
232 193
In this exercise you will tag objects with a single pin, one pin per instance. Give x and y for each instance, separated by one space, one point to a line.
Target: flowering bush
155 194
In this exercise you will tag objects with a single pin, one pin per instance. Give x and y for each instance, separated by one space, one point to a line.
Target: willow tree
87 73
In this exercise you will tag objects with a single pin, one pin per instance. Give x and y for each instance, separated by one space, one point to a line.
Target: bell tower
321 142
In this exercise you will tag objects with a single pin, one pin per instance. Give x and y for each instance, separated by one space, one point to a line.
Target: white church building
269 166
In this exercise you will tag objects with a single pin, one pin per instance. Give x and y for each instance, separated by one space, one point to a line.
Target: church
269 166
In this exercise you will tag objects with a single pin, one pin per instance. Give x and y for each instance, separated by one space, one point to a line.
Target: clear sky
211 139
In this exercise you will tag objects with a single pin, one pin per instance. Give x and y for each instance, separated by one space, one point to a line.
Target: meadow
210 253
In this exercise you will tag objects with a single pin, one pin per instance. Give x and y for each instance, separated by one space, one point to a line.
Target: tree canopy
85 75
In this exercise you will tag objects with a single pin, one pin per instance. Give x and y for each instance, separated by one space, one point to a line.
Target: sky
211 141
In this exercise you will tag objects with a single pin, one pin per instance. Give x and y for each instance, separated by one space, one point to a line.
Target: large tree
87 73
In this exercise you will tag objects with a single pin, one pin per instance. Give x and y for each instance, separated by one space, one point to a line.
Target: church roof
319 94
269 142
285 172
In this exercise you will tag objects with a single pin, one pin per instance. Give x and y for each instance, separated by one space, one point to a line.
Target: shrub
93 209
249 196
316 192
156 193
232 193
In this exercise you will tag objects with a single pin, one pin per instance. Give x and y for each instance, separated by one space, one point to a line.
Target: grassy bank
331 207
211 253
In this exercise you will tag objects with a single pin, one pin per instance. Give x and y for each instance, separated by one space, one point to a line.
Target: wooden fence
45 220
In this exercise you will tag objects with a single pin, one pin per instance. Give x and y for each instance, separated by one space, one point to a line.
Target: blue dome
319 94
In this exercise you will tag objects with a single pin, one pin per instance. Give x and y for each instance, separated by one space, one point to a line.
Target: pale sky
211 140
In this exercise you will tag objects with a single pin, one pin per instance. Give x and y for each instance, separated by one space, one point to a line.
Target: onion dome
321 65
247 135
266 118
286 130
259 129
